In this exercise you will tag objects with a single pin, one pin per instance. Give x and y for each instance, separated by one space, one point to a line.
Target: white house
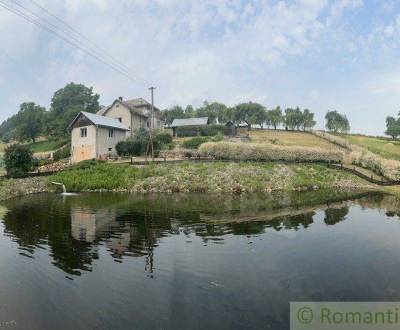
95 137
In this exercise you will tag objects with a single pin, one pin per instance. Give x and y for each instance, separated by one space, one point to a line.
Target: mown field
385 148
288 138
45 145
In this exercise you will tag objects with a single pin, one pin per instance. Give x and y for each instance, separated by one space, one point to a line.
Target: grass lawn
217 177
43 146
288 138
385 148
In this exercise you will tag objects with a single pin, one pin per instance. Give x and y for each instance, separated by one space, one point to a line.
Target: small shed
188 123
230 129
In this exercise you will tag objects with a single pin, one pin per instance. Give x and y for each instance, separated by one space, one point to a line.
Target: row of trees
249 113
33 120
254 113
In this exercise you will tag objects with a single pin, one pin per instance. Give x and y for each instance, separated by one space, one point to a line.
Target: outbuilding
189 123
230 129
95 137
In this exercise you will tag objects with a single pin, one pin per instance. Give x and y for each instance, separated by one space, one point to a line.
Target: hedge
267 152
209 130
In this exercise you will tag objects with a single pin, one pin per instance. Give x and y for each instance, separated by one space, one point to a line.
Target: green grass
290 138
218 177
383 147
47 145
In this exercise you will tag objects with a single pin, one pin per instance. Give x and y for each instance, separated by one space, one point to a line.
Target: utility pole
152 122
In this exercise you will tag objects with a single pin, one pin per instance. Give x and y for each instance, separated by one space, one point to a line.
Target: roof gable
100 121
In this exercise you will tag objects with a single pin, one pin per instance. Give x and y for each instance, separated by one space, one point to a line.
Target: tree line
33 120
251 113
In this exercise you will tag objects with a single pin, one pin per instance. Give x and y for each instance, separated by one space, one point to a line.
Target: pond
119 261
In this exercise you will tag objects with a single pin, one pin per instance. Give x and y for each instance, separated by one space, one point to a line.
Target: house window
111 132
120 119
83 132
148 124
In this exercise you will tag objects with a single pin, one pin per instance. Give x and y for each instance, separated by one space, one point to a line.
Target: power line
72 29
39 23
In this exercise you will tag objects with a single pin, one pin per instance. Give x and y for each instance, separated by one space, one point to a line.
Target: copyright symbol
305 315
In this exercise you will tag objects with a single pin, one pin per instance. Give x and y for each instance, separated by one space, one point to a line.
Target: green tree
30 118
336 122
214 111
18 160
244 112
176 112
307 120
392 127
66 103
259 115
189 112
293 119
274 117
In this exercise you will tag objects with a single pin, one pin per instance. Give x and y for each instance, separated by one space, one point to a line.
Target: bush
62 153
137 145
210 130
18 160
194 143
162 138
267 152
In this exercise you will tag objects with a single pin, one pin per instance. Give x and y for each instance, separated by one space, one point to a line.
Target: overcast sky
319 54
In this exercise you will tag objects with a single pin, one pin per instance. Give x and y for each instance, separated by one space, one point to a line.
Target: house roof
101 121
135 105
201 121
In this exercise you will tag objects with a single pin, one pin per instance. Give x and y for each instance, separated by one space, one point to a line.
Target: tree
168 115
392 127
274 117
244 112
18 160
189 112
307 120
259 115
214 111
30 117
336 122
66 103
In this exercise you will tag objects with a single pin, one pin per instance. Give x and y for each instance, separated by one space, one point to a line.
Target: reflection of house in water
87 224
120 237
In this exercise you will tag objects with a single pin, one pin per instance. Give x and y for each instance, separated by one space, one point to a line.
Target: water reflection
74 229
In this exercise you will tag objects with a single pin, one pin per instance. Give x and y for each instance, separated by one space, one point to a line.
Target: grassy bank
218 177
382 147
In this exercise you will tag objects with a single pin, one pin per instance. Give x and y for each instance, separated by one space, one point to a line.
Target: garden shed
230 129
193 124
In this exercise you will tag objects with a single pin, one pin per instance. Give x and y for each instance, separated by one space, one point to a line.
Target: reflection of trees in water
132 225
335 215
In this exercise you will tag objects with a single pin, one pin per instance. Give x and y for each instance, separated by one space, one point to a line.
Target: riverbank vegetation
207 177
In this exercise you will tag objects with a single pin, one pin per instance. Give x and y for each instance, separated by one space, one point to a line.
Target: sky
318 54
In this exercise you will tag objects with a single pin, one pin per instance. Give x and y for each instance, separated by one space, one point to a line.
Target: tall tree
66 103
30 117
307 120
244 112
392 127
189 111
336 122
259 115
214 111
275 117
176 112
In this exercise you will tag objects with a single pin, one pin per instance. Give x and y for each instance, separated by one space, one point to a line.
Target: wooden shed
230 129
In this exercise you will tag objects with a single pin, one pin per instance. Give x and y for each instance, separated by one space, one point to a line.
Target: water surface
118 261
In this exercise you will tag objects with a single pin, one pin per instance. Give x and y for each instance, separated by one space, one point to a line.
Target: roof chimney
120 98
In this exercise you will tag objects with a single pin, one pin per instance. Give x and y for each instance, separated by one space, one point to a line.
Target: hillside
380 146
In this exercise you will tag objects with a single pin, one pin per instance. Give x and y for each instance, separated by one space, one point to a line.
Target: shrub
18 160
162 138
333 139
131 147
194 143
210 130
267 152
62 153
